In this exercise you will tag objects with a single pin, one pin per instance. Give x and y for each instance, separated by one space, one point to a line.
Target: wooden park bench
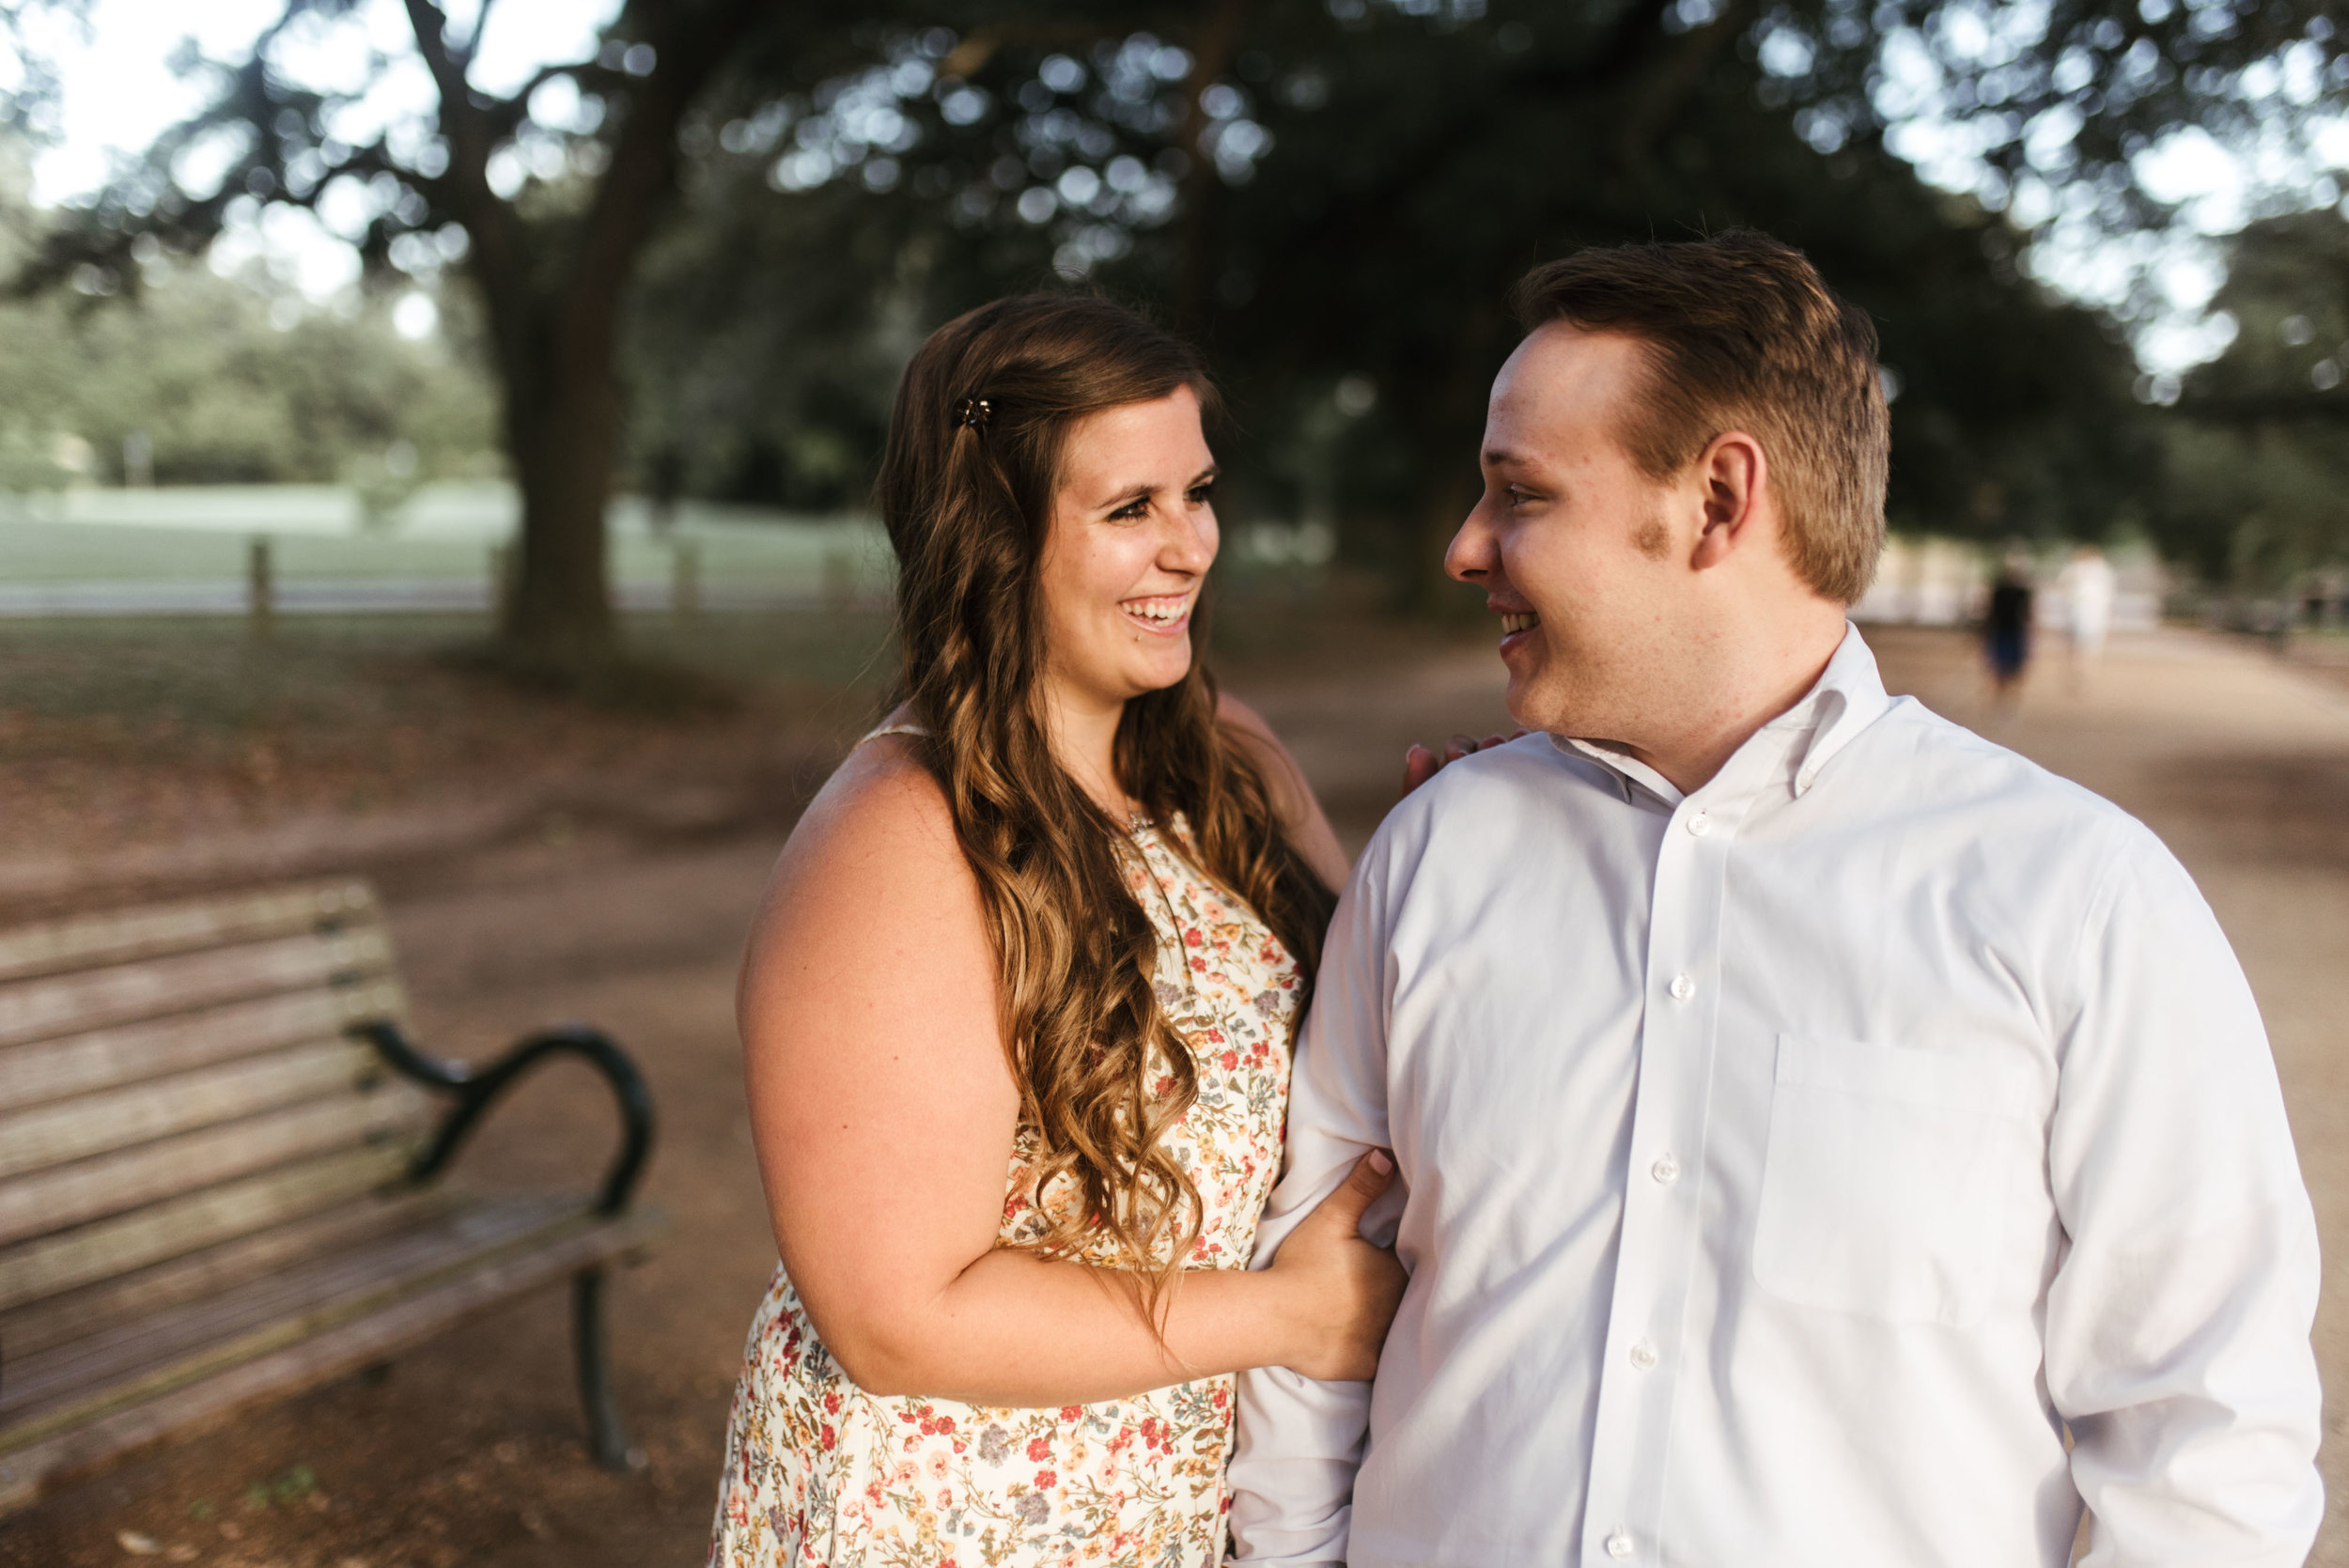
221 1176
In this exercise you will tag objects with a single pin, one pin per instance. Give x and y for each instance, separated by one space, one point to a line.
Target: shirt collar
1847 697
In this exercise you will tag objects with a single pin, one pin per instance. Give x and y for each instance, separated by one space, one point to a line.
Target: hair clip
972 412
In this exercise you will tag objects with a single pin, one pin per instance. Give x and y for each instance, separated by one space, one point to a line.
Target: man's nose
1470 557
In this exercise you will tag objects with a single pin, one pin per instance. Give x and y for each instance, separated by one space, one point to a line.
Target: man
1825 1137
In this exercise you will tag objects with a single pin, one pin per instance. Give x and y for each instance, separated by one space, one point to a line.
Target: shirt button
1683 987
1666 1170
1699 825
1619 1545
1643 1355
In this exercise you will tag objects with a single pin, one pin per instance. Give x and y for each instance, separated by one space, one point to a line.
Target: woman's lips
1165 614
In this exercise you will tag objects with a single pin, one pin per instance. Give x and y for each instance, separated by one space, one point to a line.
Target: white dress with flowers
817 1471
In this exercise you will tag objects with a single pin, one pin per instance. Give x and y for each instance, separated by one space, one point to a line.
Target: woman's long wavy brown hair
966 490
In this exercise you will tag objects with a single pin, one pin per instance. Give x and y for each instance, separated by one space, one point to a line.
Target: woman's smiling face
1132 535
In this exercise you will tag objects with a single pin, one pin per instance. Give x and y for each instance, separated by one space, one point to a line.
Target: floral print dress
819 1472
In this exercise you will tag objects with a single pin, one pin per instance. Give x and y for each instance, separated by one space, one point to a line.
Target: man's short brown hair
1742 333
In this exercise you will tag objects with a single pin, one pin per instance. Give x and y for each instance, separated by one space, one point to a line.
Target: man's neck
1749 693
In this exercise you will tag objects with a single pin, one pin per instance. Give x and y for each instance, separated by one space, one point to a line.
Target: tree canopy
2258 455
745 216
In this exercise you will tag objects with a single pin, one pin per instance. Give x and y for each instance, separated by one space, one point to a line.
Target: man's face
1584 557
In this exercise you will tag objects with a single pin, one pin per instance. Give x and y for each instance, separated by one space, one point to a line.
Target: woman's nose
1191 543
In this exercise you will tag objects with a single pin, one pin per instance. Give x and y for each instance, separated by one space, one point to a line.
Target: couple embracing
1746 1121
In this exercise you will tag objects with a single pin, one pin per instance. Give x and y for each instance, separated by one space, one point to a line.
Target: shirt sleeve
2177 1326
1292 1473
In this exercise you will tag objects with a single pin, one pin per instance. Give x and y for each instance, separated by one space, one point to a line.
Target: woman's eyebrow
1206 475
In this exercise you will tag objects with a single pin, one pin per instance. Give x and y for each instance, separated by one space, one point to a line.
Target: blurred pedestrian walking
2087 584
2006 632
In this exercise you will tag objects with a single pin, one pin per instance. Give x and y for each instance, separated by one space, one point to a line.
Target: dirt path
468 1453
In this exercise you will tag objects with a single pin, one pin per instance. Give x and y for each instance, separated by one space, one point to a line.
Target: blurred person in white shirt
2087 585
1824 1138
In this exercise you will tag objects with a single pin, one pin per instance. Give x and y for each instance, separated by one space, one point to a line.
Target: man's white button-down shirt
1786 1168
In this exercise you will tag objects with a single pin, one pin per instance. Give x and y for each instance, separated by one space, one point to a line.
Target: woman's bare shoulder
881 814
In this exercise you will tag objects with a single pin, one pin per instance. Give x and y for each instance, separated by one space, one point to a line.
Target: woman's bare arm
884 1113
1292 796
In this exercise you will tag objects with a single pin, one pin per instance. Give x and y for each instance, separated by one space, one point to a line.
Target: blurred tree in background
2261 450
211 380
746 215
1335 196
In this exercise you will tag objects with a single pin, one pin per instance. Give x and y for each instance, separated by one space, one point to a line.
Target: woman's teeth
1512 625
1158 611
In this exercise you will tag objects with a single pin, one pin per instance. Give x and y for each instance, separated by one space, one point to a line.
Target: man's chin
1535 703
1526 708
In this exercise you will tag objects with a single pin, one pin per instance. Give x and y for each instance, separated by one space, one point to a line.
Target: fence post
501 580
684 582
260 589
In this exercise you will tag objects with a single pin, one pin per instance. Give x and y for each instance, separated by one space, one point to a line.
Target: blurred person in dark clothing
2006 632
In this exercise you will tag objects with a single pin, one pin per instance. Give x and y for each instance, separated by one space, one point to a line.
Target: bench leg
607 1439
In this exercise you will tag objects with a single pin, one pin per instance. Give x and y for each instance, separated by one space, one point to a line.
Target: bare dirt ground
630 913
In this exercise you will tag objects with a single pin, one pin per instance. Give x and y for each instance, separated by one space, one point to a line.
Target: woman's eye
1201 494
1132 510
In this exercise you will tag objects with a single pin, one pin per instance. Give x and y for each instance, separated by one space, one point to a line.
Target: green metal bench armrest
477 1090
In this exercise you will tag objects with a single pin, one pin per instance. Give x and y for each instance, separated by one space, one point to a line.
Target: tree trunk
558 609
562 428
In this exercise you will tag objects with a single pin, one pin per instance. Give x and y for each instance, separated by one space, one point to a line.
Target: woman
1057 916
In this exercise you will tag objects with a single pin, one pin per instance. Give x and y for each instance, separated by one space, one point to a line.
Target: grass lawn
777 557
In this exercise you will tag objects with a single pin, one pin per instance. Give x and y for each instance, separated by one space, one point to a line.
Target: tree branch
1670 87
643 171
1211 56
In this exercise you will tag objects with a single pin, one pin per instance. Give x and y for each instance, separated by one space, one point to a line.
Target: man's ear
1732 471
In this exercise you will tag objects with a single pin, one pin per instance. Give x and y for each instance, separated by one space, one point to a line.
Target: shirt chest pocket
1891 1178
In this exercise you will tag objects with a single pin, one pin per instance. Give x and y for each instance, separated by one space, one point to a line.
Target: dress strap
889 729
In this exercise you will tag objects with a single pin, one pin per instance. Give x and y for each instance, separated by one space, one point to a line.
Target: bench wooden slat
87 942
160 1287
325 1353
184 1225
105 1058
155 987
205 1190
163 1108
410 1259
92 1189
